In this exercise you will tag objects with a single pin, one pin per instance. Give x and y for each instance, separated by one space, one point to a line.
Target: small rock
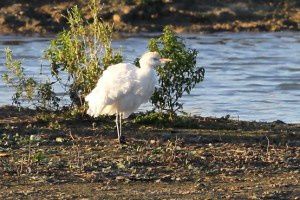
116 18
127 180
121 166
59 139
190 167
35 138
120 178
178 179
126 9
152 141
178 148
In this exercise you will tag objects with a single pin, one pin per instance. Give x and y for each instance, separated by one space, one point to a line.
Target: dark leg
117 124
121 138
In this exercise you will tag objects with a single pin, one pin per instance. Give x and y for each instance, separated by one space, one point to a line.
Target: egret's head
152 59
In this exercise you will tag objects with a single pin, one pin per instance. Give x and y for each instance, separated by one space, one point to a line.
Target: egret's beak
164 60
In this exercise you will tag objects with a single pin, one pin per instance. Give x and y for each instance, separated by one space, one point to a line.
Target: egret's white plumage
123 87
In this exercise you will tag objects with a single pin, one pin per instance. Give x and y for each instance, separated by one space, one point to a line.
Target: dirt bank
62 157
35 16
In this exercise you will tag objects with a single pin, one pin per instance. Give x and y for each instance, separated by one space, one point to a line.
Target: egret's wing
117 80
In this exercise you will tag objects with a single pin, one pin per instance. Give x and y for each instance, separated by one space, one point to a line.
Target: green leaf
177 77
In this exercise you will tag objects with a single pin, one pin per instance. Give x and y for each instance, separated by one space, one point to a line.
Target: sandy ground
54 156
44 17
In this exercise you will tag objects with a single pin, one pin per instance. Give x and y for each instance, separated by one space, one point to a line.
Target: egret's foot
122 140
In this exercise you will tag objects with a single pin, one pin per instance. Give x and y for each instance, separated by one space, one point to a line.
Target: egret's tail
98 104
95 102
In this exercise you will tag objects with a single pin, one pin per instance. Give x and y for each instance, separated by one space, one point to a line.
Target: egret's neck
147 71
146 63
146 66
147 75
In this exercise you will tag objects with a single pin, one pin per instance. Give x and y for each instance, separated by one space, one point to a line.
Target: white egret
123 87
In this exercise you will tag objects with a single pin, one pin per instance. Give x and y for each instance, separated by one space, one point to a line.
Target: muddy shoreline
52 155
45 17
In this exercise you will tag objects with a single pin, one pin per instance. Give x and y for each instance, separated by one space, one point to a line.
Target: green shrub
15 77
176 77
40 95
82 52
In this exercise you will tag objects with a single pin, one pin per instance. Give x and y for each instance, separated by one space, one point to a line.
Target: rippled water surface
250 76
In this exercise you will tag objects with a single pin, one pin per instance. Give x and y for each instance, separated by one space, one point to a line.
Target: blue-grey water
250 76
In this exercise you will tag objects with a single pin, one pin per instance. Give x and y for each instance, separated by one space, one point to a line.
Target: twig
268 144
29 154
70 133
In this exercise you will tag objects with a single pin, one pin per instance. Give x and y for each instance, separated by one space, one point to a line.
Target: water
250 76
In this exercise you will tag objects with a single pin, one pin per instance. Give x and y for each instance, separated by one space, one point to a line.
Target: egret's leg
117 124
120 125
